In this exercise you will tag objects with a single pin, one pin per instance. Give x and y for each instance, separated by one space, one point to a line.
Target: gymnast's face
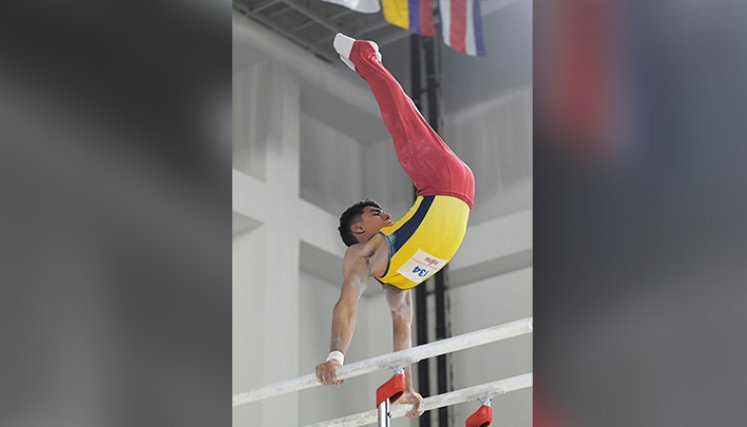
372 220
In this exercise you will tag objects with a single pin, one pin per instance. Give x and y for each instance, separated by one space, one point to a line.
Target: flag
461 26
363 6
415 16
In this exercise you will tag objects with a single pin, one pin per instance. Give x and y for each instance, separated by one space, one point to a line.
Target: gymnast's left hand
415 399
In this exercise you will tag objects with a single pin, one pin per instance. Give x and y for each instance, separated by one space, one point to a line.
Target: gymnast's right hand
326 372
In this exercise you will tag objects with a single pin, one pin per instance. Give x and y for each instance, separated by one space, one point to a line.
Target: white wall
388 185
330 166
248 317
503 168
249 136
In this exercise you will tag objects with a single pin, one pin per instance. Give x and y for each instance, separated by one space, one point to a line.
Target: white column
249 202
281 335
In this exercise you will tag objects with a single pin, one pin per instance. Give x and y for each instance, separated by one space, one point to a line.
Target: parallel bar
389 360
491 390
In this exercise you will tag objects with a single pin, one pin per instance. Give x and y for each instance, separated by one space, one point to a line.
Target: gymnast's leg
425 157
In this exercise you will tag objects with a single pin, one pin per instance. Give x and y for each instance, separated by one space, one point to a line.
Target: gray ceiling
312 24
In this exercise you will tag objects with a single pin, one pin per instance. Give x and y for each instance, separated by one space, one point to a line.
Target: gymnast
403 254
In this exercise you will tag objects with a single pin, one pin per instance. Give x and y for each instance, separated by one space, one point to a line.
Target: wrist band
336 355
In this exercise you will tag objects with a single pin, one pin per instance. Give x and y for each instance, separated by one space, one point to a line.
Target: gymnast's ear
357 227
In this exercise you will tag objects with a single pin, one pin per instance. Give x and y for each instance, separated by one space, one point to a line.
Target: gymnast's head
361 221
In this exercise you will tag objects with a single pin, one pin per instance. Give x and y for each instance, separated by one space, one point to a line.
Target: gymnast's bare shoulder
374 253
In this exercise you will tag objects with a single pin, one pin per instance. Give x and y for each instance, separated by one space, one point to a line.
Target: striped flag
363 6
461 26
413 15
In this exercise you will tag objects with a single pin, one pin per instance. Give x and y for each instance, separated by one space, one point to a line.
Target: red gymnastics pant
425 157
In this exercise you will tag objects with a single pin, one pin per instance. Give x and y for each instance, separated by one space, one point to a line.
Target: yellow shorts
424 240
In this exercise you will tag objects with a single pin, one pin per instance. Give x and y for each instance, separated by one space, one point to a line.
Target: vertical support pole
432 82
441 333
416 89
385 417
421 293
432 71
388 392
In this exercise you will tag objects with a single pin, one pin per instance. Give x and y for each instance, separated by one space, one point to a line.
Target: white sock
344 44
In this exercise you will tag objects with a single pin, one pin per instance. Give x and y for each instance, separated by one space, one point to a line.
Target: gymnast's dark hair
351 216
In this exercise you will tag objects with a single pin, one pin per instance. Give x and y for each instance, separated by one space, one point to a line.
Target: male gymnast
402 254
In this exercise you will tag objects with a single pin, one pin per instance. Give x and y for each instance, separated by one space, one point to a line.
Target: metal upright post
389 392
385 419
421 292
432 71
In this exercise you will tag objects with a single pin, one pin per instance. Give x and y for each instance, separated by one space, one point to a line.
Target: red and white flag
461 26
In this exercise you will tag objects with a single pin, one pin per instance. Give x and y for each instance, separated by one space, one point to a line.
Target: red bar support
392 389
481 418
388 392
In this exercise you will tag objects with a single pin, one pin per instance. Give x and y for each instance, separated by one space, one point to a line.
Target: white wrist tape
336 355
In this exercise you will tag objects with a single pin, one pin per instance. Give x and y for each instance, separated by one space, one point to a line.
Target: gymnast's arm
400 304
356 272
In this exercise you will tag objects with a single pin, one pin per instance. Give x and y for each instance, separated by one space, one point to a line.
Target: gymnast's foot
344 45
